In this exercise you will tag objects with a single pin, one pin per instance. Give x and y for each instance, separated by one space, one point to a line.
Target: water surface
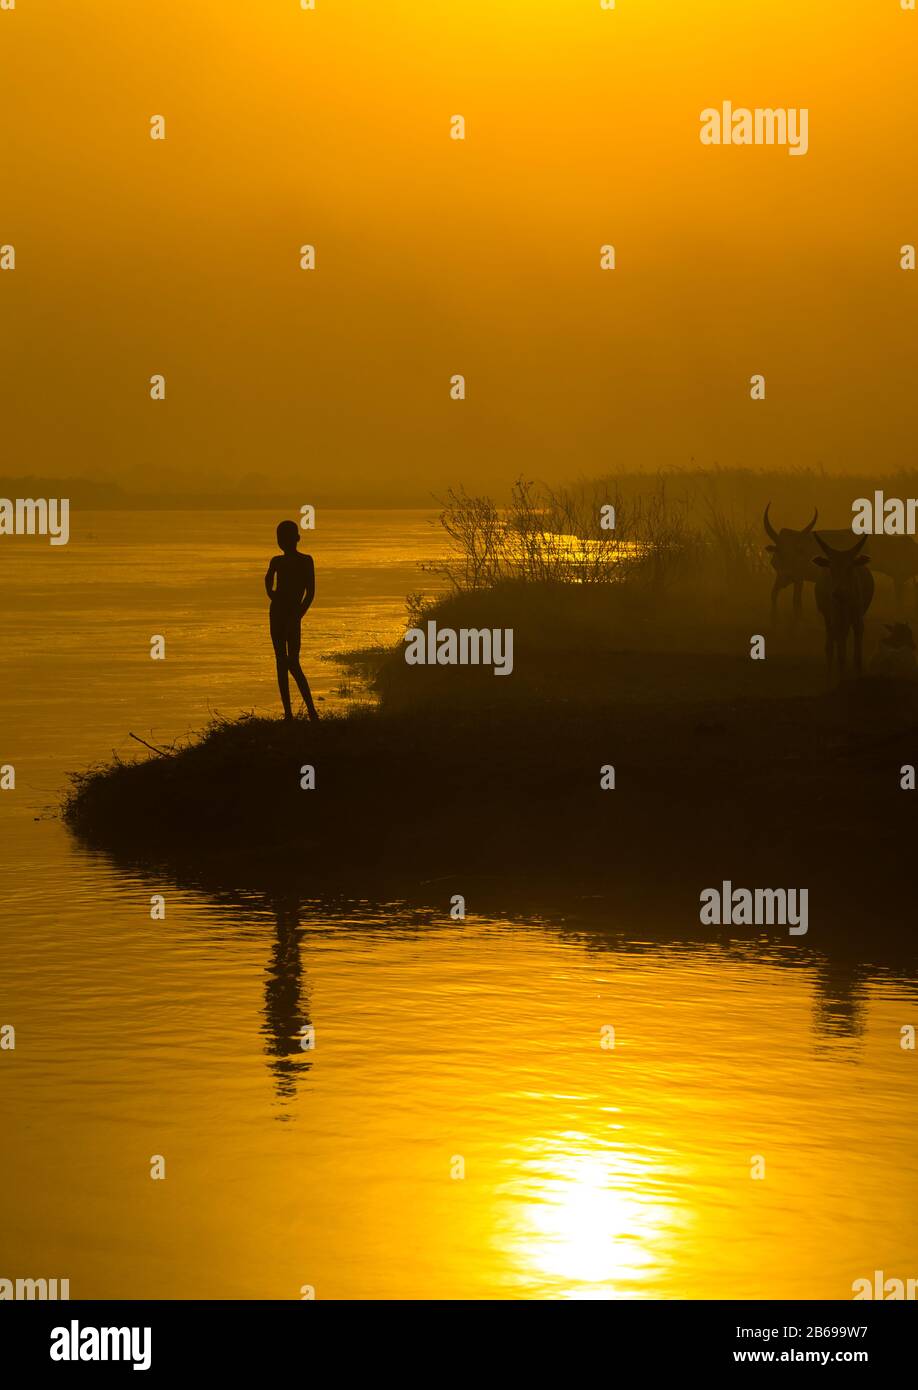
459 1128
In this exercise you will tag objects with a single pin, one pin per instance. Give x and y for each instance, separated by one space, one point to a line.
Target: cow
844 590
793 552
792 555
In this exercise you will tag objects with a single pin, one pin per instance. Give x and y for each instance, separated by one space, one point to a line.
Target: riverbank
793 791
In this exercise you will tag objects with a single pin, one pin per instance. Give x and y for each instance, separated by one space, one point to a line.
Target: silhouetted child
291 586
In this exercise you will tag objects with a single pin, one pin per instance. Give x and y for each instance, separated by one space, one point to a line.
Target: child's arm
310 593
269 579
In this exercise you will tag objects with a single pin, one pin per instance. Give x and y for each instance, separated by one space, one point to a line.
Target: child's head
288 535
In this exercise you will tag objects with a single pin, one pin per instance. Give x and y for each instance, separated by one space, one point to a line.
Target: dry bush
555 536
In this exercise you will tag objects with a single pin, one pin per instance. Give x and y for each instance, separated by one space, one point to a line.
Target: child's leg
296 670
279 642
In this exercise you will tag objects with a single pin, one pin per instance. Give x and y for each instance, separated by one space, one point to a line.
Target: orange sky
438 257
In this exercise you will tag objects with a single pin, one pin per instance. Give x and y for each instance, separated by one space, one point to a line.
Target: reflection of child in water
291 586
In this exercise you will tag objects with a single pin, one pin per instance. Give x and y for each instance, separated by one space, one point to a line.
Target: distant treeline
735 495
105 496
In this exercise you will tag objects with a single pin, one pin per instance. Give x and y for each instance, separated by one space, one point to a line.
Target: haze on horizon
437 257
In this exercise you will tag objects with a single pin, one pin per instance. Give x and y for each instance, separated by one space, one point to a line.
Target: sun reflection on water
590 1223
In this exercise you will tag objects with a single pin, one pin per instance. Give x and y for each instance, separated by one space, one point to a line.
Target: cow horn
769 529
827 548
813 522
857 547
